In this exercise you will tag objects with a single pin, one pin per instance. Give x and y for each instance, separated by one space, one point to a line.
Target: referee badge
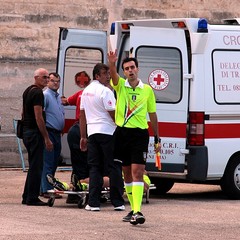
134 97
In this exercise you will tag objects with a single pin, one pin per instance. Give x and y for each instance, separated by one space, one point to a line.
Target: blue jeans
34 144
50 160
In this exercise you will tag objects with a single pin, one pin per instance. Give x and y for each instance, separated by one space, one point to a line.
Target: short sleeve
109 100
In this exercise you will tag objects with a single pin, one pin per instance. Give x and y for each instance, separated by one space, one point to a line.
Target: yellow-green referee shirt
133 104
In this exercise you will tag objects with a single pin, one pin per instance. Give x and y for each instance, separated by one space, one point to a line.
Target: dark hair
98 67
129 59
86 75
55 74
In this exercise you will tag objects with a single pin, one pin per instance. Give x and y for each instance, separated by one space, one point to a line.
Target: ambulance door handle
184 151
188 76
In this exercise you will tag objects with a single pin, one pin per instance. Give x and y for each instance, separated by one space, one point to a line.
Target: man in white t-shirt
97 111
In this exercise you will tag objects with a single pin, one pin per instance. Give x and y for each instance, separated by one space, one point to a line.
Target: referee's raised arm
112 58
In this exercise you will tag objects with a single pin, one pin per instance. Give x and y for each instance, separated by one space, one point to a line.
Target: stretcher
84 194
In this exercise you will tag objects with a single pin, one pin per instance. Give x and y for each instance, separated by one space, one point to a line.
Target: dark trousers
34 144
78 158
101 163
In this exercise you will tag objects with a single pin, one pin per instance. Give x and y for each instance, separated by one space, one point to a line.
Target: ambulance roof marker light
202 25
112 30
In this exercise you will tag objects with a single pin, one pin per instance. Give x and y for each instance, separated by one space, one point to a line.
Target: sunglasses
44 77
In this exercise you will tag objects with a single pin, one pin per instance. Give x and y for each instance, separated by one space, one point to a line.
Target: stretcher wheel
51 201
80 203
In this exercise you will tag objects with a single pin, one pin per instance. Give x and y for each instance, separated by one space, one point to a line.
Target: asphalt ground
188 211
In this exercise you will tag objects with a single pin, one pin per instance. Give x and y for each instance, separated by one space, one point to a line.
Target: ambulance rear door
78 50
163 64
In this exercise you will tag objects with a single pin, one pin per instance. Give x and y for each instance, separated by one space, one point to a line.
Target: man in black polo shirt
35 135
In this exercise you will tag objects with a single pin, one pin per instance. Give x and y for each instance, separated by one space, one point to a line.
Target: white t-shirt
96 101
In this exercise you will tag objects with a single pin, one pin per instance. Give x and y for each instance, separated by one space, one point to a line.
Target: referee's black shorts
131 145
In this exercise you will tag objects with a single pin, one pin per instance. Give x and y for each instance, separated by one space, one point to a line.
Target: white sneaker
119 208
89 208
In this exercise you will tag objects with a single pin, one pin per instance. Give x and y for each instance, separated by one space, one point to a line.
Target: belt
53 130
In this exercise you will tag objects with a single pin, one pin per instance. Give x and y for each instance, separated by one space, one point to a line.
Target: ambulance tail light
196 129
179 24
126 26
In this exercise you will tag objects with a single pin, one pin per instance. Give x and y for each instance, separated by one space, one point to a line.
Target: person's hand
157 144
112 57
64 101
83 144
48 144
157 147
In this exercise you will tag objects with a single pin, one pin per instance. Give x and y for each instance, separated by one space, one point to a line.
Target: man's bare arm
112 59
42 127
154 124
112 115
83 130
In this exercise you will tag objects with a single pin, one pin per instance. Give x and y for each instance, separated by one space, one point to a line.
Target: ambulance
194 69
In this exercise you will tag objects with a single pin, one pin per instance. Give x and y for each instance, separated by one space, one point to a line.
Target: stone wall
29 28
29 34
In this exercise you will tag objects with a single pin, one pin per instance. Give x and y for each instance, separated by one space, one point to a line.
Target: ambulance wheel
80 203
51 201
230 183
162 185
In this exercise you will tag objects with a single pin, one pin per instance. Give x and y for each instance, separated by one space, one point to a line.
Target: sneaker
85 186
56 183
89 208
119 208
77 186
128 217
137 218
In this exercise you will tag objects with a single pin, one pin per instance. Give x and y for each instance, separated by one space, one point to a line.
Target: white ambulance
194 70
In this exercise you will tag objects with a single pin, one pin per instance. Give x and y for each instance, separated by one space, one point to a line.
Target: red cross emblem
158 79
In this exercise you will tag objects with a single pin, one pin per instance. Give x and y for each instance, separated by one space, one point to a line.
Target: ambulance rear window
161 68
77 60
